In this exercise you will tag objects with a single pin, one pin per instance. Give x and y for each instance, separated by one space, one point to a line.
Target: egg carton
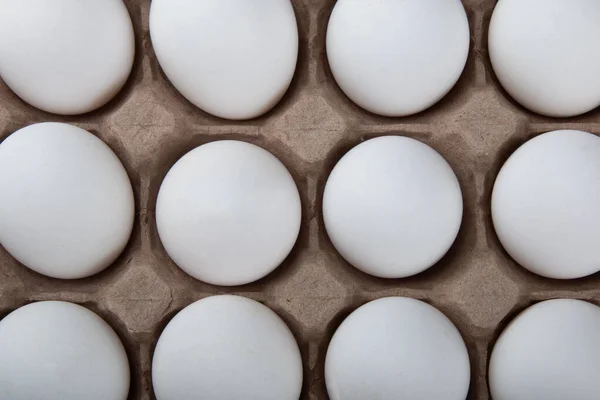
149 125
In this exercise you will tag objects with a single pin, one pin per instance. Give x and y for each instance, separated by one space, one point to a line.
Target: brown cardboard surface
149 125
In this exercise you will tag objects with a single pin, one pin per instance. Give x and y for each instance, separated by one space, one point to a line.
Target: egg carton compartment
149 125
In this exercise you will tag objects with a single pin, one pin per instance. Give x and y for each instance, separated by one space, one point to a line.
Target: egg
226 347
397 348
66 206
65 56
551 351
232 58
392 206
228 212
58 350
397 57
545 206
545 54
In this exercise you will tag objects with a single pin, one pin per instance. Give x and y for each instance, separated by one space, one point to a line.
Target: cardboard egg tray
150 125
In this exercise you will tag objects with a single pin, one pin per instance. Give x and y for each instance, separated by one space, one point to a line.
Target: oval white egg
65 56
545 206
227 347
551 351
392 206
397 58
232 58
545 54
59 350
397 348
228 212
66 206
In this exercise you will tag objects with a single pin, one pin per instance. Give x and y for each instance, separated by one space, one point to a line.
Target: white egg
228 212
545 204
227 347
397 348
397 57
66 206
54 350
392 206
545 54
65 56
232 58
551 351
